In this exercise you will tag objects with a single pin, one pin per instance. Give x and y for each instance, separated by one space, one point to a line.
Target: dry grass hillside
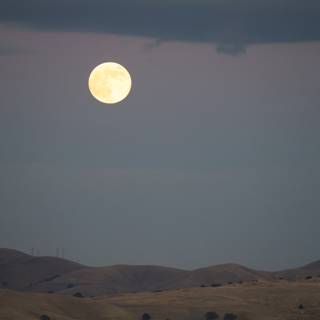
309 270
20 271
105 280
251 301
122 278
220 274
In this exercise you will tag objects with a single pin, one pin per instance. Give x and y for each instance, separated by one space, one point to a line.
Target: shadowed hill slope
10 255
220 274
119 278
309 270
21 271
123 278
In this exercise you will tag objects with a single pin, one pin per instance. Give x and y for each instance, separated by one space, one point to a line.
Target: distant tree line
211 315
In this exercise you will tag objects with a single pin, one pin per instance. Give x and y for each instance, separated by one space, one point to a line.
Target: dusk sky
212 158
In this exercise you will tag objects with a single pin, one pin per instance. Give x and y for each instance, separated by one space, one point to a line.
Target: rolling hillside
309 270
20 271
250 301
220 274
114 279
123 278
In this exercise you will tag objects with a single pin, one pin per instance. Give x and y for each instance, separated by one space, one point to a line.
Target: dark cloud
230 24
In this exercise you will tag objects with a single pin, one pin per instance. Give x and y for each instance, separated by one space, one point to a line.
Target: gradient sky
213 158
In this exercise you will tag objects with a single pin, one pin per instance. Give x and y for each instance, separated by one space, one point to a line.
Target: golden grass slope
251 301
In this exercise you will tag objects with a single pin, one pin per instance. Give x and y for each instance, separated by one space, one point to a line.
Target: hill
251 301
10 255
124 278
120 278
21 271
220 274
309 270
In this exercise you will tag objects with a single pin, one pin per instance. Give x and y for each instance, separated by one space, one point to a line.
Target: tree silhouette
78 295
211 315
230 316
146 316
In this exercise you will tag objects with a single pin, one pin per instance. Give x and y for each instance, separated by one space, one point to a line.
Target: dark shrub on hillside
44 317
146 316
308 277
230 316
50 278
70 285
78 295
203 286
301 306
215 285
211 315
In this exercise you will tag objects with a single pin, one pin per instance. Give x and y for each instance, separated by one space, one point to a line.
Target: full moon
110 82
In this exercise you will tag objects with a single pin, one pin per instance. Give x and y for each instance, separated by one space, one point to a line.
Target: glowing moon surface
110 82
